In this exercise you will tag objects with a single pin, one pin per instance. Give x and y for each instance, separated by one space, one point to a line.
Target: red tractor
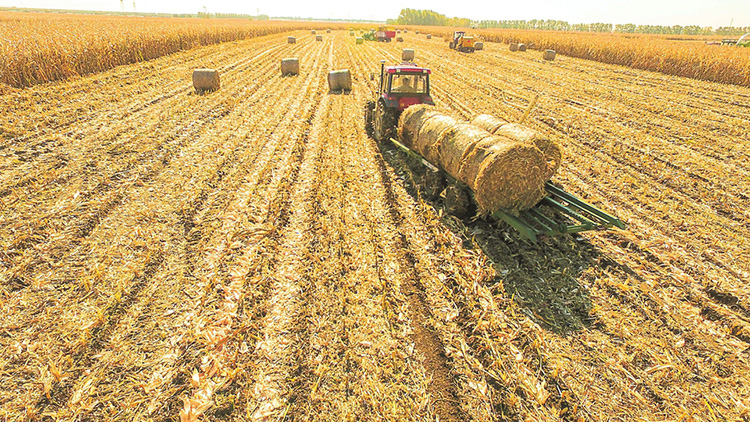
400 86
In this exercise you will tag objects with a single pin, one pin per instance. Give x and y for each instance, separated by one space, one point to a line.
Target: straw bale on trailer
291 40
206 80
290 66
479 45
340 80
360 40
497 126
318 38
407 54
513 46
503 173
549 55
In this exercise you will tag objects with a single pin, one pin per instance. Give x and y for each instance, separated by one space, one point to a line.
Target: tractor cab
400 87
404 85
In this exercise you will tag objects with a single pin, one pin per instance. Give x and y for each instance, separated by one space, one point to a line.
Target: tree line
429 17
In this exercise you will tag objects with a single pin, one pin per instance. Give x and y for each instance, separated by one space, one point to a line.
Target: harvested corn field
250 254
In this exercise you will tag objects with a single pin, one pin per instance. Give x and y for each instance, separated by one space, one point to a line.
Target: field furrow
251 254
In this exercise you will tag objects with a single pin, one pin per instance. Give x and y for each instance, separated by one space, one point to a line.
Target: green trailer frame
558 213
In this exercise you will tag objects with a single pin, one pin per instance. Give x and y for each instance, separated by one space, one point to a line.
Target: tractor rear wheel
384 122
369 112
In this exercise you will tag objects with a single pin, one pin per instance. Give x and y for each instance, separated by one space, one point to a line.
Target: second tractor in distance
462 42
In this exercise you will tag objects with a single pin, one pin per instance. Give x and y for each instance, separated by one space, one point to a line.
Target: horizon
723 13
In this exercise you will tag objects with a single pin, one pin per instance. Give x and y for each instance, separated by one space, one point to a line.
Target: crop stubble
254 243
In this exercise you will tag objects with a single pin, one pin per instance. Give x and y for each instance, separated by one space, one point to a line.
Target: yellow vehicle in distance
462 42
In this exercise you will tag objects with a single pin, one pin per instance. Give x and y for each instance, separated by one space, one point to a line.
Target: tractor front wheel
384 124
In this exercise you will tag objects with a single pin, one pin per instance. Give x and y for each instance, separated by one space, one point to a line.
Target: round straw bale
431 134
291 40
411 121
399 39
407 54
456 143
504 174
416 32
206 80
549 55
351 33
312 32
398 31
550 149
318 38
406 31
290 66
488 122
360 40
429 36
328 31
340 80
479 45
521 47
513 46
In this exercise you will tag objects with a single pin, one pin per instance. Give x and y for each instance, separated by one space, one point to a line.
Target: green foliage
427 17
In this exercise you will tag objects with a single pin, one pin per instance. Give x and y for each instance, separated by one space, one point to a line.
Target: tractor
384 34
462 42
400 86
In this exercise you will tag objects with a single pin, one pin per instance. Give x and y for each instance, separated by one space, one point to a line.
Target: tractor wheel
369 111
457 201
384 122
451 45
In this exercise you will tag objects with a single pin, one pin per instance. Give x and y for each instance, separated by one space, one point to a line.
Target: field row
251 254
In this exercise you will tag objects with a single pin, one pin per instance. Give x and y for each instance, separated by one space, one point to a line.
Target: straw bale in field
399 39
479 45
407 54
351 33
416 32
313 32
456 143
549 55
406 31
291 40
521 47
340 80
290 66
497 126
360 40
502 172
318 38
429 36
513 46
328 31
206 80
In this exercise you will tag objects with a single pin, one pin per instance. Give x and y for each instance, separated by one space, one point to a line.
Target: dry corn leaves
251 254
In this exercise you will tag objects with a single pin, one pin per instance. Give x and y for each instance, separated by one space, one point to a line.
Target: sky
712 13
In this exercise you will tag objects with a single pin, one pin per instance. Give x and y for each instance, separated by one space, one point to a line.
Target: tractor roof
407 68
